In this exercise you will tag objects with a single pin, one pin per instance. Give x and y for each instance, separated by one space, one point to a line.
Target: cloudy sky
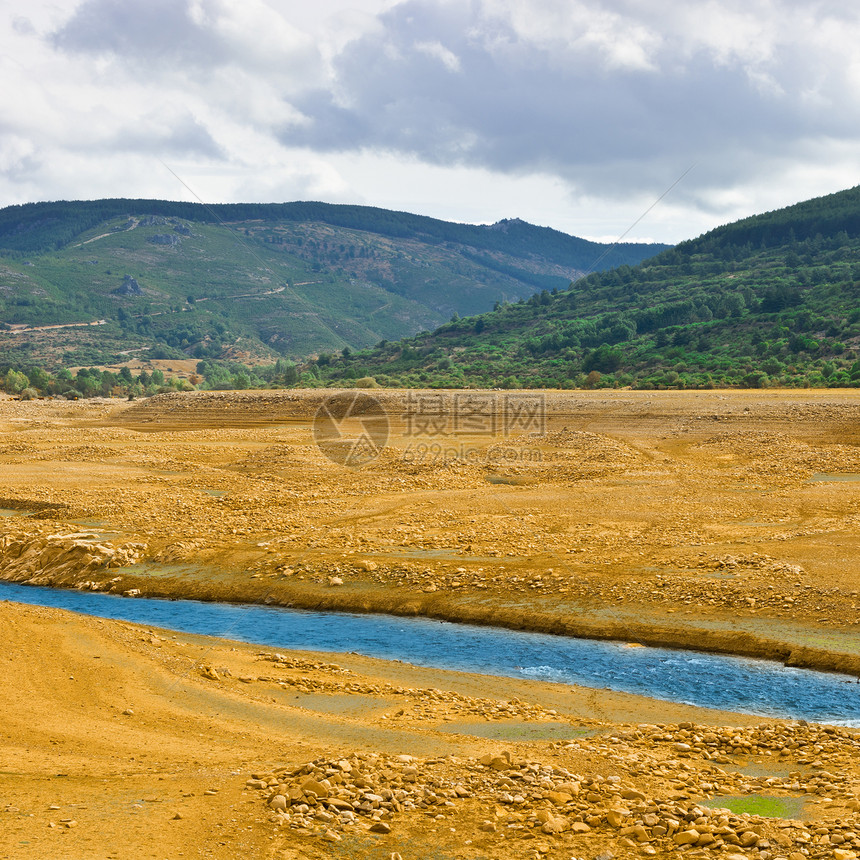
575 114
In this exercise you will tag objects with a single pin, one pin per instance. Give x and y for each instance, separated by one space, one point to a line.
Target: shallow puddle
765 769
155 569
353 704
509 480
412 552
518 730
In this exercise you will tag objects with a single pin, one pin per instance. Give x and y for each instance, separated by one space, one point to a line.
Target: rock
128 712
380 827
843 854
581 827
335 581
129 287
311 786
164 239
748 839
632 794
210 673
559 798
614 817
640 834
488 827
553 825
279 803
686 837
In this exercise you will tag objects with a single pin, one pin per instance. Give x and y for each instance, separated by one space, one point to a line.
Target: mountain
768 300
93 282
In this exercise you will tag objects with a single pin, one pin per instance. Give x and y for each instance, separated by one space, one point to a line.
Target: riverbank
720 521
769 639
125 741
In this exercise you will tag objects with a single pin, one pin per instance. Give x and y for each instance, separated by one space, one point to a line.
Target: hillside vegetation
256 282
769 300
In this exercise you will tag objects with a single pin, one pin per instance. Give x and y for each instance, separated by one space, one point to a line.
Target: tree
15 382
604 358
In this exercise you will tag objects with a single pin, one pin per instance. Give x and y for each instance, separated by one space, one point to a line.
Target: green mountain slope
257 281
770 300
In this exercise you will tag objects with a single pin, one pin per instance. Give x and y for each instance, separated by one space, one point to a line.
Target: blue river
709 680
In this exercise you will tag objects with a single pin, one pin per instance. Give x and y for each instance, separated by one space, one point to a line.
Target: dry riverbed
124 741
717 520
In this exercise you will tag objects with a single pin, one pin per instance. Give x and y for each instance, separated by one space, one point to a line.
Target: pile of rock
327 797
429 702
304 665
807 743
512 798
70 558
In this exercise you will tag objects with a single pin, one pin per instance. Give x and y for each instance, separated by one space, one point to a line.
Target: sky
573 114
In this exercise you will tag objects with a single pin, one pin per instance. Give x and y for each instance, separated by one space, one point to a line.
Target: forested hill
257 281
39 227
769 300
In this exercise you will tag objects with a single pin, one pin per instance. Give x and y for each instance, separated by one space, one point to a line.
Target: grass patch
767 806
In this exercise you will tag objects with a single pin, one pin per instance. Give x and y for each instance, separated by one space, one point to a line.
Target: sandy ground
720 520
128 742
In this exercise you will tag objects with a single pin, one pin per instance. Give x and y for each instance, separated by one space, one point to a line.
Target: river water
709 680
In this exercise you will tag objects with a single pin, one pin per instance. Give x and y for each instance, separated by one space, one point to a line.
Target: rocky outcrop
71 559
129 287
164 239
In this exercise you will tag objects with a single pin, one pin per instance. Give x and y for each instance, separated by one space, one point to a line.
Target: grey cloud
152 30
23 26
181 37
181 135
521 106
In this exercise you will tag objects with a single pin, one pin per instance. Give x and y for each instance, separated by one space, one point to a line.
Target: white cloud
441 53
584 110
